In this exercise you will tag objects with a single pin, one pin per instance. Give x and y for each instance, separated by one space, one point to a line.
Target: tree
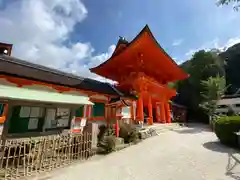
172 85
214 88
232 65
226 2
203 64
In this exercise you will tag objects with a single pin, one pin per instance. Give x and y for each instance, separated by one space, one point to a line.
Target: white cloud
177 42
232 41
177 60
39 30
191 52
214 44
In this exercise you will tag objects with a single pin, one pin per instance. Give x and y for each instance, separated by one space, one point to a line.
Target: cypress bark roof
19 68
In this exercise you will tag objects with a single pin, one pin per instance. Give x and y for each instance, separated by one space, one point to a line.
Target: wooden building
179 112
34 100
25 85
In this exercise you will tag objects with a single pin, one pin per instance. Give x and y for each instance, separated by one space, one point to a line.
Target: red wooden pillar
107 114
157 107
132 111
4 114
170 117
150 113
162 113
168 113
85 107
117 128
89 111
140 109
118 118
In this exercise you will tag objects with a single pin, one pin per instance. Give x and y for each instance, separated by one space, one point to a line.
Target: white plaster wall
40 87
75 93
4 82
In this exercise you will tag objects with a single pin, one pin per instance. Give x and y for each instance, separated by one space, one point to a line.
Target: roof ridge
115 89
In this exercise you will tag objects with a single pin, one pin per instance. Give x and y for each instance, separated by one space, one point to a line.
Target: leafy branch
227 2
214 88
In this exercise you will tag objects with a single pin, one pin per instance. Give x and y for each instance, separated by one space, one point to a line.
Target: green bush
102 132
128 133
108 144
111 132
133 136
225 128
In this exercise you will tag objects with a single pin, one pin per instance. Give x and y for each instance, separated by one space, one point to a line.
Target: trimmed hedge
225 128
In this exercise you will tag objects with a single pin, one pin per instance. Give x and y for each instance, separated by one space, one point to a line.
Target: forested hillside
232 68
207 71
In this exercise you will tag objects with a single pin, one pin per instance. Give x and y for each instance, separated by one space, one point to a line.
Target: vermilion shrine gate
143 68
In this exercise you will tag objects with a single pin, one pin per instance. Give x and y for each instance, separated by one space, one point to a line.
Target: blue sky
188 23
77 35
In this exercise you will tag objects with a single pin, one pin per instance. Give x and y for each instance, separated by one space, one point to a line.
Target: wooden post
117 128
89 110
150 113
72 121
4 114
132 112
162 113
85 107
157 107
107 114
6 123
168 112
140 109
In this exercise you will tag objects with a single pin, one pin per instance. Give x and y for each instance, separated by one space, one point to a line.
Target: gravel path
183 154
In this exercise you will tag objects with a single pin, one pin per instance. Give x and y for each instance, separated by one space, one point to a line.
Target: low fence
26 157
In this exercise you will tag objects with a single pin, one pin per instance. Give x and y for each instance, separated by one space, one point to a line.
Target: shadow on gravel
193 129
218 147
233 157
233 162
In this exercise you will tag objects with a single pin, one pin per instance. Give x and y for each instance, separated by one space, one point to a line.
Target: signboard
50 121
33 123
63 115
83 122
77 126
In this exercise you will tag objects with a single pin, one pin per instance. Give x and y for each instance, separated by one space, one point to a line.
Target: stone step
161 128
147 132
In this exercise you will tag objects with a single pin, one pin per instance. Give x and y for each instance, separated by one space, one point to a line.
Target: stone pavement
188 153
